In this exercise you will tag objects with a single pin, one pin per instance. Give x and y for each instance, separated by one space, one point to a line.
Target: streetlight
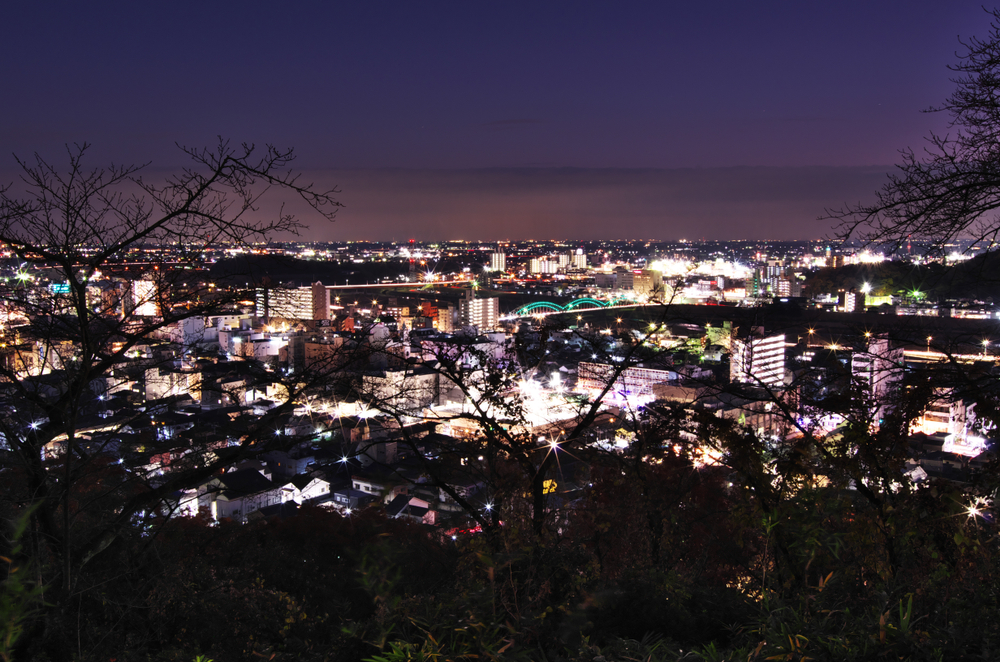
929 339
986 345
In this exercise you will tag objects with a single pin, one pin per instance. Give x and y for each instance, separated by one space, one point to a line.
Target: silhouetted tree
68 328
950 189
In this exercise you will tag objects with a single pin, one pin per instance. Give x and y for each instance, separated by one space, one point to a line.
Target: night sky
503 120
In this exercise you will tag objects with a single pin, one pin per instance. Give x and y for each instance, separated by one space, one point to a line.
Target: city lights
211 449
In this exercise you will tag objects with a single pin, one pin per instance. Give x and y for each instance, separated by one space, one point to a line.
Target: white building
758 360
877 369
647 282
543 265
498 262
632 381
187 332
237 494
484 314
144 299
851 301
301 303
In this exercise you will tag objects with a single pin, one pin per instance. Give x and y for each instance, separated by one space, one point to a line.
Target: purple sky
505 120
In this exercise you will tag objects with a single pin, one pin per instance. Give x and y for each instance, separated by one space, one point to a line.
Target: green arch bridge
576 304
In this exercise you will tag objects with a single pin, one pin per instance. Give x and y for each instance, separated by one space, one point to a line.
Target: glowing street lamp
866 288
977 508
929 339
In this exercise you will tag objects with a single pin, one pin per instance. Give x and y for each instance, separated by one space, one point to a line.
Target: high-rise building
498 261
624 279
878 369
484 314
144 298
647 282
303 303
756 285
852 301
579 259
447 319
758 360
543 265
321 301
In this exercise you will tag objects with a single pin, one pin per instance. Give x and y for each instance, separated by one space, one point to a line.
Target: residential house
237 494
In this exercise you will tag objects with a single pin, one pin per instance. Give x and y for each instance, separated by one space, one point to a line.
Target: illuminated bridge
547 307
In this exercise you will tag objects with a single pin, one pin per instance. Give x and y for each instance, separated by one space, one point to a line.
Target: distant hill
978 278
273 269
